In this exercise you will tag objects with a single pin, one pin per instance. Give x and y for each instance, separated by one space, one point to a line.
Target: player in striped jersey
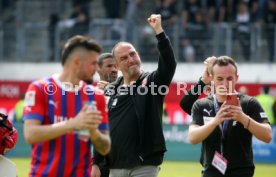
55 111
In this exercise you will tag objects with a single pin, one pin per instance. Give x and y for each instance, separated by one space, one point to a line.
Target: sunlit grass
168 169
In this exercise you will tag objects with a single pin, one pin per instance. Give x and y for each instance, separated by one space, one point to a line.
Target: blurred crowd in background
34 30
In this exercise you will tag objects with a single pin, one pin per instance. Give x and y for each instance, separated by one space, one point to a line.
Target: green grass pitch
168 169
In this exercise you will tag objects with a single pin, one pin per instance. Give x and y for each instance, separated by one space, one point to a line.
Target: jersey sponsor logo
263 115
207 119
208 112
30 98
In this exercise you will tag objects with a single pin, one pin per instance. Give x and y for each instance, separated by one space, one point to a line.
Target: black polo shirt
123 123
238 141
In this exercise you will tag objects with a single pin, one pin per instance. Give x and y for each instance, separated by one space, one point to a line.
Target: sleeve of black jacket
97 158
166 63
190 97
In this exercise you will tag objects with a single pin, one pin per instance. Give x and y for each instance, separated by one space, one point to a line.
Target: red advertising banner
13 89
174 113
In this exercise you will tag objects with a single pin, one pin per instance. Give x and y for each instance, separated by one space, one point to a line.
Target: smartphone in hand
232 99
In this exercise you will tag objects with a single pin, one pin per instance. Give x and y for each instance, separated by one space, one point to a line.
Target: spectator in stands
167 10
116 29
4 4
132 16
81 18
216 11
76 24
52 29
112 8
243 29
148 45
199 35
189 10
85 4
269 19
187 50
225 10
268 103
212 11
193 20
254 10
226 130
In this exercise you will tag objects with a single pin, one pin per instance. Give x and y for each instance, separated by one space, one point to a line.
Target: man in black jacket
135 108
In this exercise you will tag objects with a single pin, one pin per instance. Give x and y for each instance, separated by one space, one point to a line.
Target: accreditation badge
219 162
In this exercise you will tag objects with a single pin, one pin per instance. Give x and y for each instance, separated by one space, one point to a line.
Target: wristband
248 123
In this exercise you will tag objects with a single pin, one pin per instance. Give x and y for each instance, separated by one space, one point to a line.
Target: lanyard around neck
223 128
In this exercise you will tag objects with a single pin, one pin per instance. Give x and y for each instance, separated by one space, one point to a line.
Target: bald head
114 50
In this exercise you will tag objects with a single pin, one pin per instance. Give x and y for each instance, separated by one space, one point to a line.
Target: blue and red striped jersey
50 101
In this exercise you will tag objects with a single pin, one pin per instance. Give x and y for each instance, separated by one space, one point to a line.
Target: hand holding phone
232 99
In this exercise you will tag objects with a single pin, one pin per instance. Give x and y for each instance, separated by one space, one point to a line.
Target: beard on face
110 77
85 78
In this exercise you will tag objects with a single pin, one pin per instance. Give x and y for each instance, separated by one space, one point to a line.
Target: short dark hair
102 57
224 61
79 41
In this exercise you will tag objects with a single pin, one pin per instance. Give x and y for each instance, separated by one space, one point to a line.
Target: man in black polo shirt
135 108
226 130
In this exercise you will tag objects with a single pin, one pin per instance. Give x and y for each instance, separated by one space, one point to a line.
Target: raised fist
155 22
